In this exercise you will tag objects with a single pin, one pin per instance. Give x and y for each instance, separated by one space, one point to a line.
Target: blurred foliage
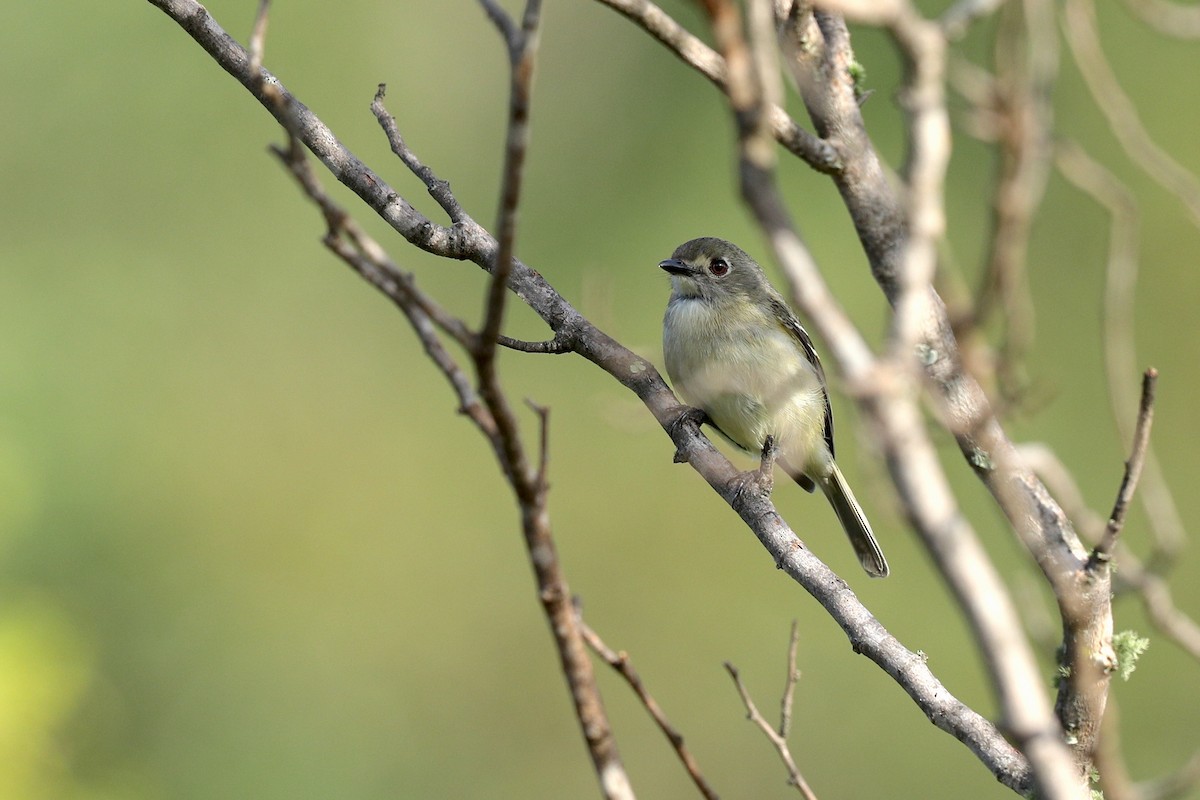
247 548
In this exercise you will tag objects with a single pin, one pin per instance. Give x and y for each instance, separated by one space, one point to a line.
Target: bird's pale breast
748 374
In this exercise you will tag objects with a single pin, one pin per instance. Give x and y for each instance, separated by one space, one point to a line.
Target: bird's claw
688 415
761 480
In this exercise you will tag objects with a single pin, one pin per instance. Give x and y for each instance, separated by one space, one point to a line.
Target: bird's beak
676 267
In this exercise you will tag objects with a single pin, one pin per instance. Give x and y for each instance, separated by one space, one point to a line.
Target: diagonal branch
702 58
438 189
1079 24
1177 20
789 687
620 662
349 242
1133 471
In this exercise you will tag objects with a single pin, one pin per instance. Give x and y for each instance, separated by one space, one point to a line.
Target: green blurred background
247 548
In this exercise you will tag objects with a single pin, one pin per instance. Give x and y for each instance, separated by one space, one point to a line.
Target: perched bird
735 350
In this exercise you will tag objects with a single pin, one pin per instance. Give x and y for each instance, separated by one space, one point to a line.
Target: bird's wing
796 330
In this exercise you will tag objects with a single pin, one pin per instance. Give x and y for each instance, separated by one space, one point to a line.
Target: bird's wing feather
796 330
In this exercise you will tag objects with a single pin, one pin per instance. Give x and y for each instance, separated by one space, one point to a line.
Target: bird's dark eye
718 267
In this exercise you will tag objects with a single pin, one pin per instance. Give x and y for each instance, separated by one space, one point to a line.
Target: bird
735 350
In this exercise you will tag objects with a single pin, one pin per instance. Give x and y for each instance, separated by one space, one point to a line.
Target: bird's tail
854 522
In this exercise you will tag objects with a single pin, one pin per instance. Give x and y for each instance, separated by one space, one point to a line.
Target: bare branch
620 662
822 68
522 49
780 743
957 19
924 49
1120 351
550 346
696 54
258 35
1079 24
522 54
501 20
543 413
1160 607
1177 20
789 687
1173 785
1133 470
531 486
1115 782
439 189
349 242
1132 577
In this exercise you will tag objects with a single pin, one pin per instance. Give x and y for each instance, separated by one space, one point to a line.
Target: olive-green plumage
736 351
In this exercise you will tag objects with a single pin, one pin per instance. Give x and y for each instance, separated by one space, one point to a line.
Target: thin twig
1133 577
789 687
620 662
346 239
555 346
522 55
522 52
1120 349
543 413
696 54
1177 20
778 741
375 266
1133 470
438 189
1172 785
1160 607
1079 24
258 36
1113 773
501 20
958 18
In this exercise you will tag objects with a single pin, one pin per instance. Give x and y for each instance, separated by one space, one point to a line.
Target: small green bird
736 351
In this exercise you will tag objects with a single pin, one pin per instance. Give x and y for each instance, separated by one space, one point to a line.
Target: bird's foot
762 480
687 416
